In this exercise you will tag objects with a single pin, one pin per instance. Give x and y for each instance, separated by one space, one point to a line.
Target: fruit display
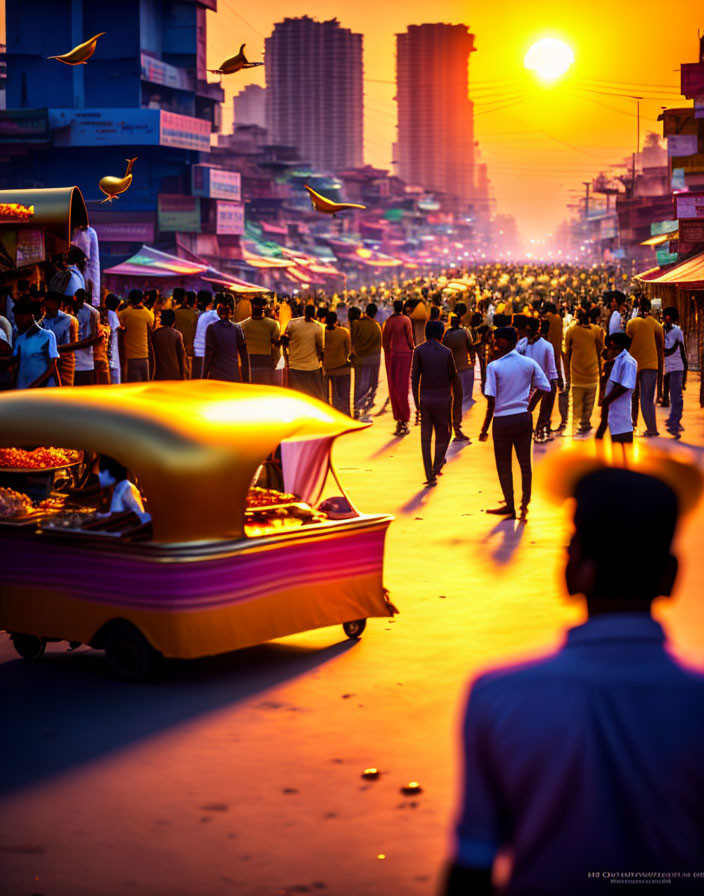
14 504
69 519
38 459
267 497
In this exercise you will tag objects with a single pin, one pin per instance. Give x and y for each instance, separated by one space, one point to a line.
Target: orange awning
687 274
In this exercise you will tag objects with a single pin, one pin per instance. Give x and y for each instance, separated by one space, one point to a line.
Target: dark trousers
666 390
84 378
337 389
676 400
513 431
366 382
434 417
308 381
563 404
137 370
261 370
197 368
547 403
644 393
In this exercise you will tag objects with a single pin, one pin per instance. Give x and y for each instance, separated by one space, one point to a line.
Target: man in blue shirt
590 760
35 352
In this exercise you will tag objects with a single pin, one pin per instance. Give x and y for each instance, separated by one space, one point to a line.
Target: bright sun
549 58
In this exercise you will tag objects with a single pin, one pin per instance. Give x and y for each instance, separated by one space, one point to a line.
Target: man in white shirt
618 306
590 760
87 239
76 261
205 319
541 351
618 395
675 369
88 334
112 303
514 386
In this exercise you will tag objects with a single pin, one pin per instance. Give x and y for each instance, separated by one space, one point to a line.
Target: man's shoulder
511 678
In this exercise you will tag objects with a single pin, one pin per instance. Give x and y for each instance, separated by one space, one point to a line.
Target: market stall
34 226
239 542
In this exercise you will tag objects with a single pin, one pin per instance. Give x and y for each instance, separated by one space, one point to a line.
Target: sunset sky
540 142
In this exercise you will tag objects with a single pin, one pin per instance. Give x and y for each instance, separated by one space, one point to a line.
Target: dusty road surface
242 774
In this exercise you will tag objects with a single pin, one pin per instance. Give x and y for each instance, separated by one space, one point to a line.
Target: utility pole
587 186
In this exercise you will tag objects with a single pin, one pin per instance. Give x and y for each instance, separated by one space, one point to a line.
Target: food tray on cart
33 471
30 519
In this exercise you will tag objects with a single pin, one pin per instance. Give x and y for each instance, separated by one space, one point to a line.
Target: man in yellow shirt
136 325
647 349
583 346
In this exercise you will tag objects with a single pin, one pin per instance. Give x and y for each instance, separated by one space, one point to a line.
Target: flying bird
327 206
81 54
234 64
111 186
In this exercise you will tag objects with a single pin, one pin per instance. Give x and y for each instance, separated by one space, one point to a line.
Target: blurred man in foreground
589 760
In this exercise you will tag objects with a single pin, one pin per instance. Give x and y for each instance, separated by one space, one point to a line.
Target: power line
248 24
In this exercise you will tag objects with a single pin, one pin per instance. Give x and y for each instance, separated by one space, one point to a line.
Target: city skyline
540 142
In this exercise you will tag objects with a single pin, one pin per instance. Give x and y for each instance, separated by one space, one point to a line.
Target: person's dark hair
205 297
330 320
502 320
398 306
135 296
150 297
477 320
620 339
582 316
520 320
621 507
434 329
532 324
309 312
54 297
434 313
23 306
594 314
322 314
644 304
191 298
460 309
371 310
75 255
113 467
80 296
112 301
167 317
550 308
179 294
672 312
226 299
455 321
507 333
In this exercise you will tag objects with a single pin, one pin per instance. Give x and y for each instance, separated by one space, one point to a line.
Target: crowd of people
532 336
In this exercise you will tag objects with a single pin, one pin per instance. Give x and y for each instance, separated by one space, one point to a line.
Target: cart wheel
354 629
29 647
130 656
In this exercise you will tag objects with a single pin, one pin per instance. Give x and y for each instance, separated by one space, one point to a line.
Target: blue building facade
143 93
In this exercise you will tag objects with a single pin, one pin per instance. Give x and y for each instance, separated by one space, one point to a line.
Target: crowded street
245 770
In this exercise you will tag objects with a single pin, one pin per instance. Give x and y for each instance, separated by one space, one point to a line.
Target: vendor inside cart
126 497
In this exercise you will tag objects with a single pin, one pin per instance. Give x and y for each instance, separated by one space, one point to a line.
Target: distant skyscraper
250 106
435 145
314 97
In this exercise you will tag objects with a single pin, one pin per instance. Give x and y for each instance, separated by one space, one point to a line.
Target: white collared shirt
510 380
542 352
588 760
674 336
204 321
615 322
623 373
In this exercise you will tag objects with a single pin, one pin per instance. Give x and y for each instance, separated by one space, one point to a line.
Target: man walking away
169 351
647 349
590 759
539 349
434 377
262 335
583 345
303 346
336 363
457 339
365 334
616 403
186 322
137 323
208 315
510 380
88 337
224 344
397 339
675 368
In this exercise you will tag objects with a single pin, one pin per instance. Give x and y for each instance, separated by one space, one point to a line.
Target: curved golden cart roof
193 445
58 209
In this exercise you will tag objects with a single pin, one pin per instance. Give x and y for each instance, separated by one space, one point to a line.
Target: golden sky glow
540 140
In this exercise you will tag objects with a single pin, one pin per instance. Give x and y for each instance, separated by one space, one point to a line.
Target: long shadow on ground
65 711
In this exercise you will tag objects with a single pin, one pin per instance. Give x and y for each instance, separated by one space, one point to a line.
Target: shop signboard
664 256
155 71
692 79
216 183
689 205
30 246
24 126
682 145
677 181
184 131
126 232
692 230
179 212
229 218
659 227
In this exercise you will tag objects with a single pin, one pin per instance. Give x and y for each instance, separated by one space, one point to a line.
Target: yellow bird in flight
111 186
234 64
327 206
81 54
